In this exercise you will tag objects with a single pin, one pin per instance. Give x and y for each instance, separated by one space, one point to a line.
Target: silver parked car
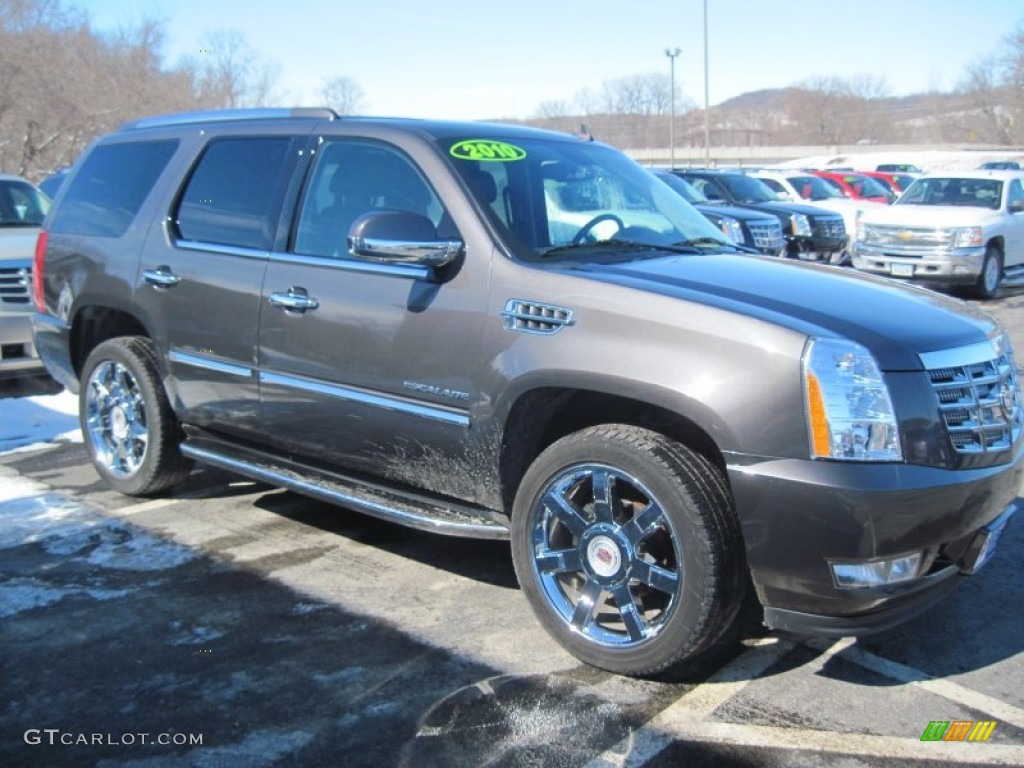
22 209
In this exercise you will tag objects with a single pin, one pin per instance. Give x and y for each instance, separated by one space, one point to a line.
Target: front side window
233 196
108 190
351 178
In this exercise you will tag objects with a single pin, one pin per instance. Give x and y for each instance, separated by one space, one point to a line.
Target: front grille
980 403
533 317
833 228
908 237
767 234
16 283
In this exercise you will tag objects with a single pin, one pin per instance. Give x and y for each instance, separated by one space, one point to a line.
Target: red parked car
858 186
897 182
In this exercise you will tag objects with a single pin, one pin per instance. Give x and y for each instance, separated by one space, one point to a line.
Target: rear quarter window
109 189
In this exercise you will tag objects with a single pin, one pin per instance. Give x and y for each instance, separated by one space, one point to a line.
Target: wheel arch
543 415
94 324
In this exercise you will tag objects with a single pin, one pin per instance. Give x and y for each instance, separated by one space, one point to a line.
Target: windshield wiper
698 242
19 223
619 245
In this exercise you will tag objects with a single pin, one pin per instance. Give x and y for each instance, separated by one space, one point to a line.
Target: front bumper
959 265
814 248
800 516
17 349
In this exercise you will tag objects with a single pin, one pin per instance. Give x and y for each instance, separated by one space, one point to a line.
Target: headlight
731 229
800 225
849 411
968 237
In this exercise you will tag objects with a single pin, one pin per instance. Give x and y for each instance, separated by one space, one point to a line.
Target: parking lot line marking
657 733
853 744
144 506
999 710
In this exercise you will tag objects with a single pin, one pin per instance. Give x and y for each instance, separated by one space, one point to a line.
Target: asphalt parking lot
234 624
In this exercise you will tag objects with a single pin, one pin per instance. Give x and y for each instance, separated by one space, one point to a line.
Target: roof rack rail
218 115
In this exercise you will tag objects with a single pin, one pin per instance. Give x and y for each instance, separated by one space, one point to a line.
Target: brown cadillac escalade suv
495 331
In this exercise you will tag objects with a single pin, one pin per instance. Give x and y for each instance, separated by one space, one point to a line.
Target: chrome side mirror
400 237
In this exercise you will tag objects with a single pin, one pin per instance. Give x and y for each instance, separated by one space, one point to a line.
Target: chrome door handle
295 300
161 277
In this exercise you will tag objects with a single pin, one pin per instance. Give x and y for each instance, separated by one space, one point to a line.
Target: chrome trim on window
233 250
434 413
208 363
410 271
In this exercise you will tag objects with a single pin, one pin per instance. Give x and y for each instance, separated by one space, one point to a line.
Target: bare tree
344 95
230 74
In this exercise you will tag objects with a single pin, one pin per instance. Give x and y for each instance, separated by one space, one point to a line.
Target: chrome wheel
991 275
606 556
116 419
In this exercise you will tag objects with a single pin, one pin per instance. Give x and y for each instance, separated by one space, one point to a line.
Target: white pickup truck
960 227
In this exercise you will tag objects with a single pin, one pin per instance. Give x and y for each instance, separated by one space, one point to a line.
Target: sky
478 60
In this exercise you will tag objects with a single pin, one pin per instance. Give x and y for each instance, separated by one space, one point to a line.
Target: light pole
672 53
707 128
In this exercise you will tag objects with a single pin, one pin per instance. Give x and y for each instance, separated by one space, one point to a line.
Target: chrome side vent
533 317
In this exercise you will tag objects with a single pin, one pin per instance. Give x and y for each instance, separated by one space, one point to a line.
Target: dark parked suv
495 331
754 229
812 234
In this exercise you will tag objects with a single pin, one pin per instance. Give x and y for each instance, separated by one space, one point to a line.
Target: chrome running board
414 510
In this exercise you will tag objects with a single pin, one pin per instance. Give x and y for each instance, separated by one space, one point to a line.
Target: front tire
628 549
130 432
991 275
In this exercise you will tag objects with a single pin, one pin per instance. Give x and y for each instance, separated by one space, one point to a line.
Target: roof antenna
583 134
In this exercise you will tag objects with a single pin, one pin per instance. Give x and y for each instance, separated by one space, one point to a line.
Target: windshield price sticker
487 151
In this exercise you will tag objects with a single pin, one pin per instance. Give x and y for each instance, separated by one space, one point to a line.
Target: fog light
959 269
876 573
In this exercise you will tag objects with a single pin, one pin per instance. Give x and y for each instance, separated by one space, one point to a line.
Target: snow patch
31 423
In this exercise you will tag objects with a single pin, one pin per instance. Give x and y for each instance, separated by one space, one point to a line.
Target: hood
18 243
740 214
943 216
894 321
788 209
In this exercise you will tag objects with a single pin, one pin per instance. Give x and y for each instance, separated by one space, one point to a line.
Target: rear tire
628 549
991 275
130 432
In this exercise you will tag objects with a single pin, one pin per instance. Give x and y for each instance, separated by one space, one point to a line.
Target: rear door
202 270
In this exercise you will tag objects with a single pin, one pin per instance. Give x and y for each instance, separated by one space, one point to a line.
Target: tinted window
352 178
110 187
234 194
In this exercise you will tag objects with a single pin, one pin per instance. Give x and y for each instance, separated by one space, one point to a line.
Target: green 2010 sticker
487 150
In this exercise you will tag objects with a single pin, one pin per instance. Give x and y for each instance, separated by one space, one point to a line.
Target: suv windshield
21 205
575 197
814 188
976 193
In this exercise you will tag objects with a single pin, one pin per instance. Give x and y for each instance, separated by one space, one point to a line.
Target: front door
369 366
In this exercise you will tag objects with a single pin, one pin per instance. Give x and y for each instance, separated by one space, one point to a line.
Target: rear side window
110 187
233 196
